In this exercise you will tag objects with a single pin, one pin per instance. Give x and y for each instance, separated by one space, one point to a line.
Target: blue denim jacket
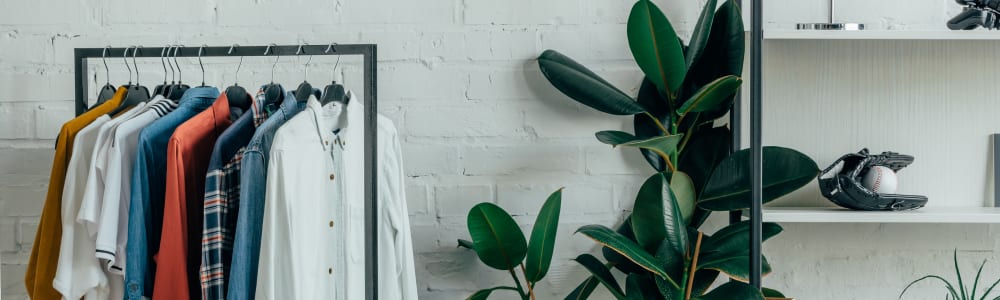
148 184
250 218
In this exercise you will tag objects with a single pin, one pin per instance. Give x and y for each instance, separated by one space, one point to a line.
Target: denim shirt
253 177
148 185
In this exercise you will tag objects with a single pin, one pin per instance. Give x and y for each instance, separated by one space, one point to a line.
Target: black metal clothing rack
368 51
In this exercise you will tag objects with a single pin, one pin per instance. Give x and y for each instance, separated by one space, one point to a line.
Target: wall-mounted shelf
881 35
954 215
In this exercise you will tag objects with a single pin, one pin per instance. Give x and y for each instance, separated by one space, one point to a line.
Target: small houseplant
959 293
499 243
686 89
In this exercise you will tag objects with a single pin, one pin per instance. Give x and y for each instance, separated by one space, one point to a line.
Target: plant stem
658 123
694 267
687 135
520 289
531 288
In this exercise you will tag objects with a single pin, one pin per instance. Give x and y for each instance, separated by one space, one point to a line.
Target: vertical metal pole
371 200
996 170
735 127
80 82
756 149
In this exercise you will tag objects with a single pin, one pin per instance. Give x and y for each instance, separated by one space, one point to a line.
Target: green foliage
959 293
500 244
685 90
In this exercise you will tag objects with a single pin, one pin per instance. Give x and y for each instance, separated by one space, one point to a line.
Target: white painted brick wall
478 122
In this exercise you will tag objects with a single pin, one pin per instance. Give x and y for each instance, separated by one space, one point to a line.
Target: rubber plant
501 245
659 247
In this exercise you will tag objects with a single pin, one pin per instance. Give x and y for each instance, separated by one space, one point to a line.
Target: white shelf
983 215
881 35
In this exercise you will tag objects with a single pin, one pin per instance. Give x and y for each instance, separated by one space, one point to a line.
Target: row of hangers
237 95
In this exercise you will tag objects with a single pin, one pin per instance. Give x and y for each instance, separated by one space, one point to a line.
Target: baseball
881 180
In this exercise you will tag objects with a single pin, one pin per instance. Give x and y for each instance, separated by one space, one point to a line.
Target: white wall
508 137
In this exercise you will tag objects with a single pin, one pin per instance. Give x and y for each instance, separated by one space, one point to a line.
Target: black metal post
735 127
368 51
756 148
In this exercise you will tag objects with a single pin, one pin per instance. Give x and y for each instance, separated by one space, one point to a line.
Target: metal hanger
334 91
108 90
177 92
305 89
136 93
158 89
272 91
236 94
200 49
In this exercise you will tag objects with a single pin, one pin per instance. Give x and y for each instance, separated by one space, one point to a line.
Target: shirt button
326 142
331 223
330 270
331 176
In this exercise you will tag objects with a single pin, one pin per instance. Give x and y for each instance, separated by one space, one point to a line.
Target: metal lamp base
830 26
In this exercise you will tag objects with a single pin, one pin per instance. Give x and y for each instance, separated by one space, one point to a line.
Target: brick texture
478 123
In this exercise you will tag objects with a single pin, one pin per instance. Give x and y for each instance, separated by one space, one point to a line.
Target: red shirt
188 153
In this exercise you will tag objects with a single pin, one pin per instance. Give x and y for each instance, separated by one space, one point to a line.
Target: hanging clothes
42 263
148 184
313 180
188 154
253 178
221 200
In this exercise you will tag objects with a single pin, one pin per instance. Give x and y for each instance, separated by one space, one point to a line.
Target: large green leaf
672 261
619 243
584 86
683 190
601 273
712 96
732 290
658 106
703 279
735 237
662 145
496 237
707 147
723 54
734 265
785 170
639 287
543 238
485 293
584 290
655 46
619 261
648 216
701 33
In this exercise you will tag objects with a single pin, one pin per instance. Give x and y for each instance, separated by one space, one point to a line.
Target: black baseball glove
841 182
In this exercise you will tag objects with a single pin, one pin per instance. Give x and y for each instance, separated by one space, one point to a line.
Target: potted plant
686 88
961 292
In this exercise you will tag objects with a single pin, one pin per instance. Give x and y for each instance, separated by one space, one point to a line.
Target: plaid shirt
222 195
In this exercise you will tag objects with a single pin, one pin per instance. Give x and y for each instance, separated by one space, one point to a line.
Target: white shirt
312 241
78 273
112 232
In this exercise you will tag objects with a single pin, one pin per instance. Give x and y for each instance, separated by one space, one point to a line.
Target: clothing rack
367 51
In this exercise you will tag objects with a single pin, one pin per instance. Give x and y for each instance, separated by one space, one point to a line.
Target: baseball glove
841 182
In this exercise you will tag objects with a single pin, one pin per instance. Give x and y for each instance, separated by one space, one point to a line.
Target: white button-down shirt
78 273
313 235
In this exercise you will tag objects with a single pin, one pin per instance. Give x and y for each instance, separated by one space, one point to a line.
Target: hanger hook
125 59
134 52
335 65
305 70
201 65
180 73
173 77
237 76
104 55
162 51
276 57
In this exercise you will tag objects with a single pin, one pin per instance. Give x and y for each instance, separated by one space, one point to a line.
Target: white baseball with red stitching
881 180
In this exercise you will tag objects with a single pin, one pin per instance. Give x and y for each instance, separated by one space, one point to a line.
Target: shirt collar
220 112
200 97
328 118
